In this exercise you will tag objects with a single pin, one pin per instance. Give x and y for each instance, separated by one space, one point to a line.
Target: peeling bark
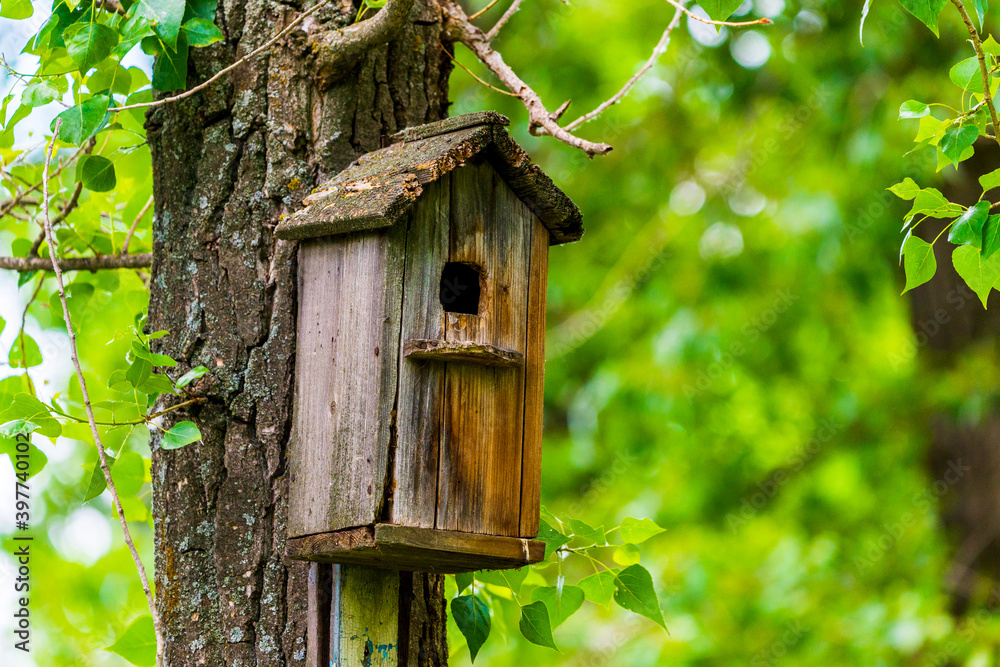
228 163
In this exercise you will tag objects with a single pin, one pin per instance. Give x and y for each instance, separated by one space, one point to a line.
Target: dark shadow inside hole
460 289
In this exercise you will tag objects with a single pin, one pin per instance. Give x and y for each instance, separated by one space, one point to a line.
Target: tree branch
226 70
99 263
540 119
74 354
679 4
984 70
340 50
135 225
661 47
503 19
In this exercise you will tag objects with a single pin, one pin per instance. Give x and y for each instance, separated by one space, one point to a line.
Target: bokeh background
728 354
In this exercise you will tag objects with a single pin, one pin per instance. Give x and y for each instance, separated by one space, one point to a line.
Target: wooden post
354 617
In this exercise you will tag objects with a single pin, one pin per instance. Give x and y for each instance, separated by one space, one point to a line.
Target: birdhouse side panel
481 450
350 301
534 381
421 383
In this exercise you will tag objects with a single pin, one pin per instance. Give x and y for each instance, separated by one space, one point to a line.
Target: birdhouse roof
381 187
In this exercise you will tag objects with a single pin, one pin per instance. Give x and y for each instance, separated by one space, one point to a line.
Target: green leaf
907 189
990 180
991 46
16 9
720 10
463 580
932 203
634 591
991 236
27 407
166 15
204 9
637 531
180 435
553 539
170 67
512 579
97 173
82 121
968 229
17 427
981 7
29 357
191 376
957 140
40 93
138 643
138 372
129 474
560 604
472 617
920 264
927 11
913 109
599 588
535 625
979 274
626 554
97 481
587 533
89 43
36 458
967 75
201 32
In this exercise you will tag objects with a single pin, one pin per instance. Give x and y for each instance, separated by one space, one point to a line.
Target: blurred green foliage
728 351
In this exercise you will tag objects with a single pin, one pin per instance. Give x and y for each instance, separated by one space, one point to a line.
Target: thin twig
473 17
473 74
20 335
221 73
540 119
96 263
73 202
661 47
135 224
503 20
74 354
732 24
977 44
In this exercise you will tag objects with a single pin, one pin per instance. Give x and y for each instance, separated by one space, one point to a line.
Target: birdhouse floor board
462 353
427 550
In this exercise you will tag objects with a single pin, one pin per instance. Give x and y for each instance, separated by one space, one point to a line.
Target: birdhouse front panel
422 273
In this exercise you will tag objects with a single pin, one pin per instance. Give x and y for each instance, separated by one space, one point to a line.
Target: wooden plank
318 615
534 382
416 549
421 385
346 370
480 486
367 618
461 353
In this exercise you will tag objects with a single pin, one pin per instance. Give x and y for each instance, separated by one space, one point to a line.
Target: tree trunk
228 163
964 461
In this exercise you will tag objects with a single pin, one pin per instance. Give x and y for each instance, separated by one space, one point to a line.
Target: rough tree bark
950 323
228 163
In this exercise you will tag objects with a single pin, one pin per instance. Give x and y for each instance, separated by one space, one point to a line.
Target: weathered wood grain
346 373
534 382
421 385
458 353
367 618
480 477
318 615
432 550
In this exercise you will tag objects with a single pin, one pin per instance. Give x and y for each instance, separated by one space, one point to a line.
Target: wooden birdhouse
418 419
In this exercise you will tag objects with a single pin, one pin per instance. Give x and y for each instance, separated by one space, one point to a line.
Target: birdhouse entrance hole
460 290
